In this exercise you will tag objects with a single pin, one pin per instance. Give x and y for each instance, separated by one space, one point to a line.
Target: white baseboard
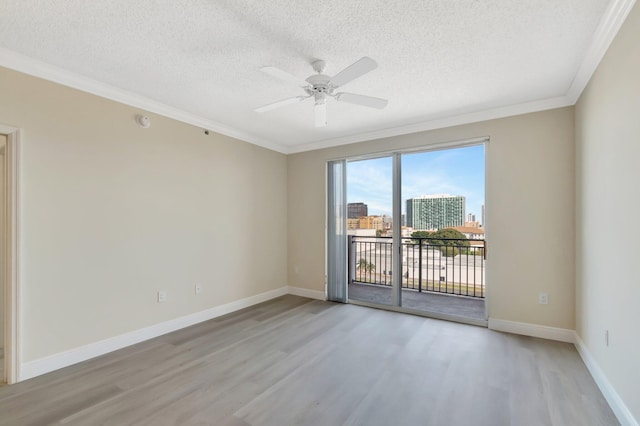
615 402
73 356
570 336
305 292
54 362
534 330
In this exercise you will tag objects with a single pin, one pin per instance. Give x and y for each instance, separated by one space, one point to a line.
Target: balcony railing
444 265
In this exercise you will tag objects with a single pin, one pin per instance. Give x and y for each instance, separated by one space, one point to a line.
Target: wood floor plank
298 361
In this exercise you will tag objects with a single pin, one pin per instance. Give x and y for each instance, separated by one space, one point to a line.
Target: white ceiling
440 62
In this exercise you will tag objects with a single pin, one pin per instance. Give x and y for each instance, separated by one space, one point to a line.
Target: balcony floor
426 301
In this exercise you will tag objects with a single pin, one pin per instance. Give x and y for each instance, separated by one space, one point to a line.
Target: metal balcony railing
452 266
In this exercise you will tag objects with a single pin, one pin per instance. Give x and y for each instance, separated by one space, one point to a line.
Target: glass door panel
369 230
443 244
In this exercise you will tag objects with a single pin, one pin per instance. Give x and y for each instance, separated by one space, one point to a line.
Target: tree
448 237
378 232
449 241
363 265
420 234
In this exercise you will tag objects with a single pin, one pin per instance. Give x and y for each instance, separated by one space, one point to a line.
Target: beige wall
530 179
112 212
608 204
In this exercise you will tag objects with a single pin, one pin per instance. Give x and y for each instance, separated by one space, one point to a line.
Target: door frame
11 278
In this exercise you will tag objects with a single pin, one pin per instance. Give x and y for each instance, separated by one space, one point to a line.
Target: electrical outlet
606 337
162 296
198 288
543 298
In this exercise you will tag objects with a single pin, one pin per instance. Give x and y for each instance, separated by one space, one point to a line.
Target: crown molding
439 123
610 24
24 64
607 29
36 68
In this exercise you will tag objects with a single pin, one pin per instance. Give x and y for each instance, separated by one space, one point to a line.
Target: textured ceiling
436 58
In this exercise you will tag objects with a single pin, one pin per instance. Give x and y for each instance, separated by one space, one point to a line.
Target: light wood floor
296 361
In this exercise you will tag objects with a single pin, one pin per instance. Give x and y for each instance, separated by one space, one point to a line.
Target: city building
356 210
405 232
387 222
432 212
471 232
353 223
370 222
472 222
362 232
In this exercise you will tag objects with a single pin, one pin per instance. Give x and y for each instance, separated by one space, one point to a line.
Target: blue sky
458 171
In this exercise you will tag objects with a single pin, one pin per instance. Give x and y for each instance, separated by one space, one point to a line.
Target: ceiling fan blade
284 76
321 114
281 103
353 71
368 101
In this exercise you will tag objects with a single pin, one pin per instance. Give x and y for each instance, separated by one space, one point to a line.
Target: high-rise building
430 212
471 221
356 210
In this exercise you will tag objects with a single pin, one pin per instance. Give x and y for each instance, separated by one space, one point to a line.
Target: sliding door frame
396 285
396 241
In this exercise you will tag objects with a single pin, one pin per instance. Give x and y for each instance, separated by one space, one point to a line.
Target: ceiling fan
321 87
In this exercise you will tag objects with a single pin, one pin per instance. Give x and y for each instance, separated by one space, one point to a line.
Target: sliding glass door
411 231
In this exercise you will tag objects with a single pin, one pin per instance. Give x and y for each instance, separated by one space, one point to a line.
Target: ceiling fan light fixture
320 111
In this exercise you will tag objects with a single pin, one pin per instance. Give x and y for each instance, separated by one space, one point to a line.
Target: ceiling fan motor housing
320 83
